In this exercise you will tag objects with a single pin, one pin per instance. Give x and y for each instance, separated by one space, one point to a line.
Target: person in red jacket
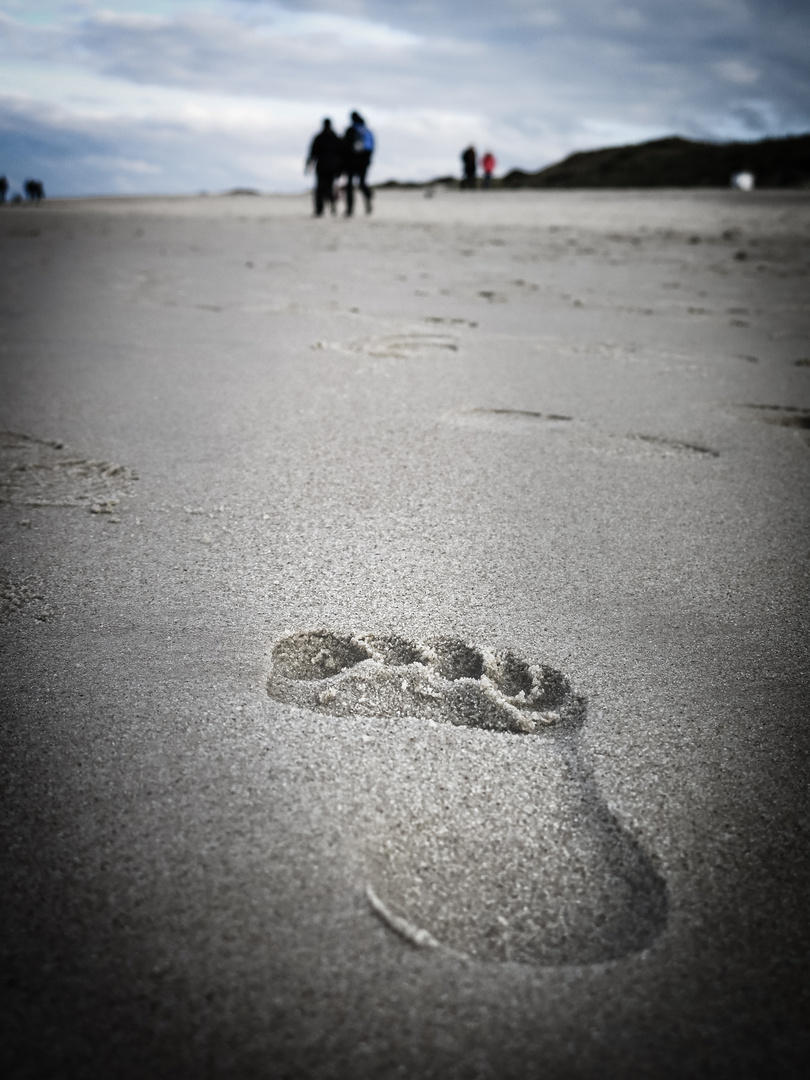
488 164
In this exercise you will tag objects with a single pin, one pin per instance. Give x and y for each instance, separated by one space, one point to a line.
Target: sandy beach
404 633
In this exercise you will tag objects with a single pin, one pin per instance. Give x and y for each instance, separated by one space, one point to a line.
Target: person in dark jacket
34 190
358 146
469 160
326 154
3 188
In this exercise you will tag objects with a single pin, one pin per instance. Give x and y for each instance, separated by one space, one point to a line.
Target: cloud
737 71
239 86
213 142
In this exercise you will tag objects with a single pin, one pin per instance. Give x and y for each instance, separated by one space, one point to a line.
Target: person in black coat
469 160
326 153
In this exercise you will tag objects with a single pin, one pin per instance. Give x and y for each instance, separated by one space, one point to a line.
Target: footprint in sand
19 596
526 421
517 859
783 415
520 421
517 421
404 346
39 472
674 446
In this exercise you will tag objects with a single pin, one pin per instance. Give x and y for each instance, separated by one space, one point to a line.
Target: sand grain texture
566 428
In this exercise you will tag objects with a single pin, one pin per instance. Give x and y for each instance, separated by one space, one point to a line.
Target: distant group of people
34 191
333 156
469 161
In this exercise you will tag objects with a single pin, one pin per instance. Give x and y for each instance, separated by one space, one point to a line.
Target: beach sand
293 513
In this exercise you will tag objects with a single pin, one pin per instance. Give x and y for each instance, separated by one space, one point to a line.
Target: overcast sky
188 95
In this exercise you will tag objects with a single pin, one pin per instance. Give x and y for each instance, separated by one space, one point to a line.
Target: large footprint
519 860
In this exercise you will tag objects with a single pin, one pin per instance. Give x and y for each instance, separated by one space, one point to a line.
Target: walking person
34 190
3 188
469 160
326 154
488 164
358 146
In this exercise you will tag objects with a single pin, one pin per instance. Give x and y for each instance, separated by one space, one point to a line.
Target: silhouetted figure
3 189
488 164
468 160
358 146
34 190
326 153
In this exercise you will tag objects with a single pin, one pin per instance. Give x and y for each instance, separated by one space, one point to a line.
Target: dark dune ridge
677 162
670 162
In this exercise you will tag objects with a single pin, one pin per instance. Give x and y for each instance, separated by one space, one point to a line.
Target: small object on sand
743 181
422 939
105 507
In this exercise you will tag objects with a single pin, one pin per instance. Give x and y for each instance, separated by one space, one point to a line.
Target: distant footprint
504 419
40 472
526 421
18 596
783 415
519 859
519 414
675 445
404 346
451 321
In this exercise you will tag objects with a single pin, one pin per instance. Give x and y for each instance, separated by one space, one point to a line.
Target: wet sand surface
404 637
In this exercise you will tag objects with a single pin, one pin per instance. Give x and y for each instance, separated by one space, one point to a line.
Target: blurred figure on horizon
34 190
325 153
358 146
469 160
3 189
488 164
